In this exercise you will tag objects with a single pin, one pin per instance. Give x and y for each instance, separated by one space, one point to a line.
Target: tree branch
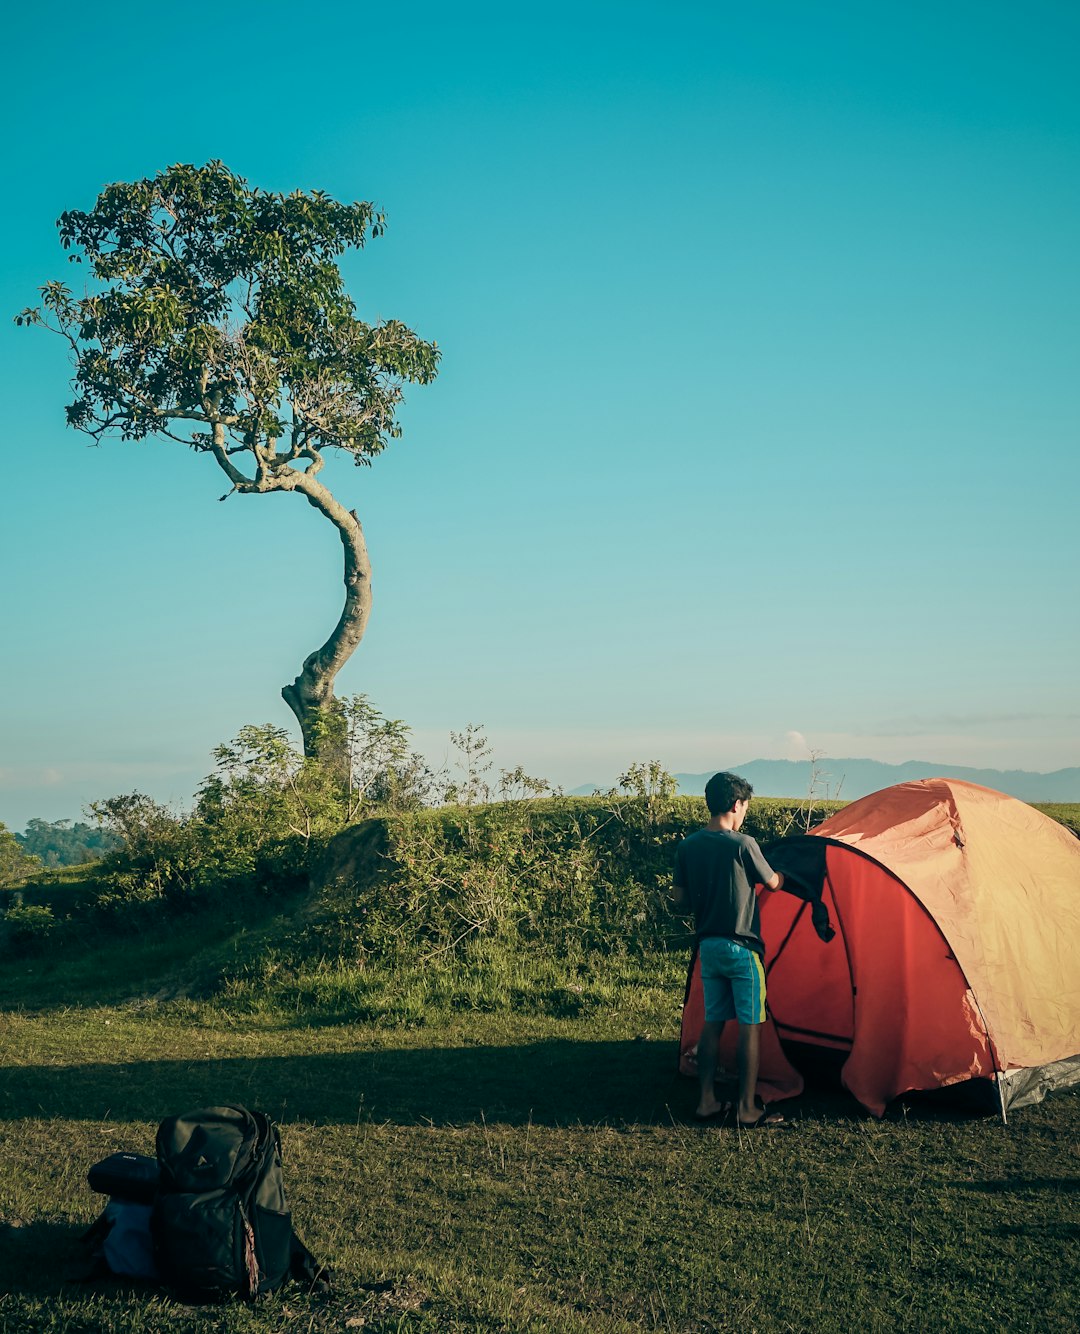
217 447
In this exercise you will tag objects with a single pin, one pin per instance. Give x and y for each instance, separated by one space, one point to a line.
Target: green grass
503 1174
499 1142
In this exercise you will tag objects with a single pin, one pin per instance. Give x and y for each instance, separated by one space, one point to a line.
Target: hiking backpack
220 1223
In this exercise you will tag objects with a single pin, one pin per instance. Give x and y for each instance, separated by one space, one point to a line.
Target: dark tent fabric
957 918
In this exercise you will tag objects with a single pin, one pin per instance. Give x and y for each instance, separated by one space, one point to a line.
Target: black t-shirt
718 870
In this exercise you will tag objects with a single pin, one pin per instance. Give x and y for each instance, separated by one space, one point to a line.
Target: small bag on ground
126 1176
119 1242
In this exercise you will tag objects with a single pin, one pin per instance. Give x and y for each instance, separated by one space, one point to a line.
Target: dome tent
957 932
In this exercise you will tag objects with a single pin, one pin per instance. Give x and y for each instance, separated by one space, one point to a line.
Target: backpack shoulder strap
304 1268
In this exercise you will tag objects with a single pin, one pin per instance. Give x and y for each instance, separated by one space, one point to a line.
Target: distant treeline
62 843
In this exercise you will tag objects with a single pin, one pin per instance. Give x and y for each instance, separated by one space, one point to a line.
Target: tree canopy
15 863
62 843
219 318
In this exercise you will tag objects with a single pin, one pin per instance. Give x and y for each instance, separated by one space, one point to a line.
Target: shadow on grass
555 1082
52 1260
38 1256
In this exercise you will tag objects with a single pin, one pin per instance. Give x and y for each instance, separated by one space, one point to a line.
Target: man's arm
680 895
762 870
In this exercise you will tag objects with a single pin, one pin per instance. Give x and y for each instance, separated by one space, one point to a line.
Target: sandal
766 1121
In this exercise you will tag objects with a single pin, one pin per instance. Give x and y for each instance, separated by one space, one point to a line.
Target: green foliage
515 785
220 318
263 791
62 843
650 782
463 889
378 768
159 858
216 315
138 822
28 925
474 763
261 814
571 875
15 862
237 837
234 849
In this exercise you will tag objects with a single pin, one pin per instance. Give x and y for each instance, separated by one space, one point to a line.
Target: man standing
716 870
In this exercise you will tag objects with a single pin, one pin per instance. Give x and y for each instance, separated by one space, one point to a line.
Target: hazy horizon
52 802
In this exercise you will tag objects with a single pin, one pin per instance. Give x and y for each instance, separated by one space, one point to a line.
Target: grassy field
503 1144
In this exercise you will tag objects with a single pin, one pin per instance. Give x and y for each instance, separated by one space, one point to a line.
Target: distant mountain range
847 779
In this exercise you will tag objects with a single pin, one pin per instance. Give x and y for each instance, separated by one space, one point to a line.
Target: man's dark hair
722 791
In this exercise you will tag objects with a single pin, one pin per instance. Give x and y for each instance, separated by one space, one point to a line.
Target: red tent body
957 919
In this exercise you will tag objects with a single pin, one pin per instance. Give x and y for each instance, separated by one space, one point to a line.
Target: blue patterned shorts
732 980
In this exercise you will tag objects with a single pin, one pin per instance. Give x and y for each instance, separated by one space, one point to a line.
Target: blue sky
757 421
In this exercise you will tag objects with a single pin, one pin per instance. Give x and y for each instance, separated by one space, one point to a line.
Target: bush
29 925
258 818
15 863
573 875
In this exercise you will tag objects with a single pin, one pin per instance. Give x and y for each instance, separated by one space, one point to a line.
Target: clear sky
758 415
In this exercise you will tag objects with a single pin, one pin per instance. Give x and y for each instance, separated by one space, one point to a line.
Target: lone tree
219 319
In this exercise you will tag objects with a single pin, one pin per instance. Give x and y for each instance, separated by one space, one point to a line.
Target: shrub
29 925
15 863
572 875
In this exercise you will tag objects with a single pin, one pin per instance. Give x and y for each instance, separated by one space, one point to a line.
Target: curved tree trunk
311 695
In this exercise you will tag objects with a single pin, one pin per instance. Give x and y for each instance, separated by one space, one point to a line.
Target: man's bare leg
749 1061
706 1066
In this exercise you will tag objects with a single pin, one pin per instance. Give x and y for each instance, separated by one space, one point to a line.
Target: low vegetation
1064 812
464 1019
